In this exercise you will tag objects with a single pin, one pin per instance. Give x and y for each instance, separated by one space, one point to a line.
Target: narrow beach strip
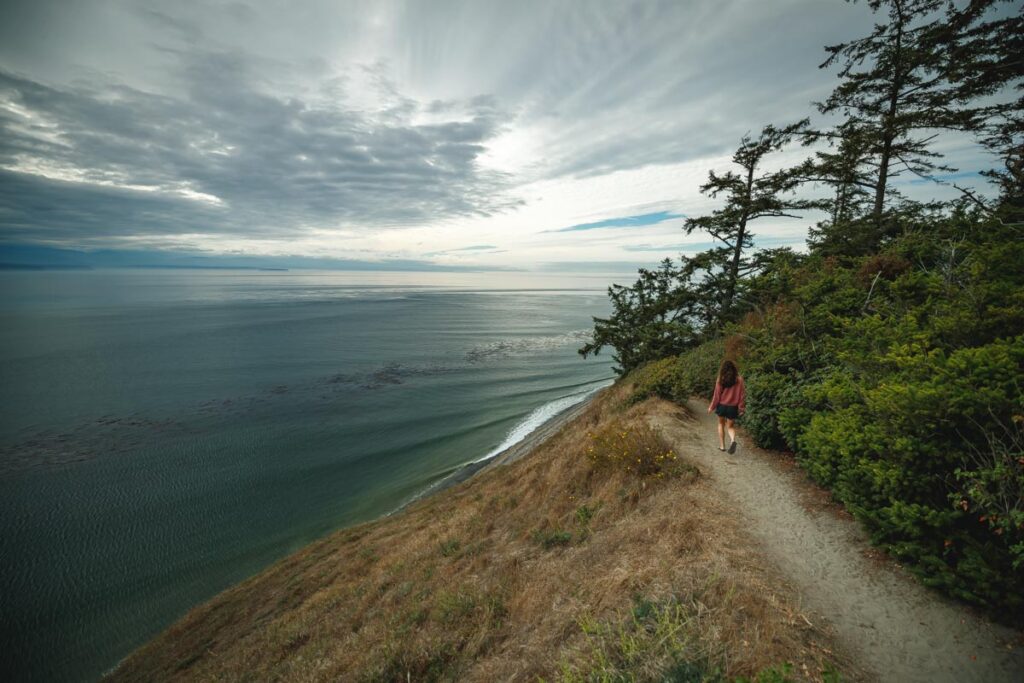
533 430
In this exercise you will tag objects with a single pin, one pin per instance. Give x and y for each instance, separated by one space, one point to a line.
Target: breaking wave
538 417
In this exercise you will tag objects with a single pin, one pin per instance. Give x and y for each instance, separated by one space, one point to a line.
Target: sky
529 134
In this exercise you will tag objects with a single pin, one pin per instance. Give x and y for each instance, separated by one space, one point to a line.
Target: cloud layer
391 129
232 159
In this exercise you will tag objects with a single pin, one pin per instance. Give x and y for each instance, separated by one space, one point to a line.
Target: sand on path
897 629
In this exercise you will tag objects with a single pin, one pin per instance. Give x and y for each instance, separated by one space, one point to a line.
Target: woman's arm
716 397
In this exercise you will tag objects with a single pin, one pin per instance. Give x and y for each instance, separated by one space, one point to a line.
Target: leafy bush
900 394
993 486
654 379
679 377
903 456
798 402
762 416
780 406
584 515
696 371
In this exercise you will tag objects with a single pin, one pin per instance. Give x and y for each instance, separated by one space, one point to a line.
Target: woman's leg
732 431
721 433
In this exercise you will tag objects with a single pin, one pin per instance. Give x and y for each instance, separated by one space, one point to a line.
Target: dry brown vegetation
552 567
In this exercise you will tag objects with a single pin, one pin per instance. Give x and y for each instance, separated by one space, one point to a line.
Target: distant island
33 256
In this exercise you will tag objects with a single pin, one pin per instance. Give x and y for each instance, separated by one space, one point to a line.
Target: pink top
736 395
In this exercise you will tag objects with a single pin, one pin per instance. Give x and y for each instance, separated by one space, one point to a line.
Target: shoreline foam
527 435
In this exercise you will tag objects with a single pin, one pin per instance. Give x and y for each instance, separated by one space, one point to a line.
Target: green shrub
677 378
900 394
904 457
654 379
797 405
762 416
992 487
696 371
780 406
584 515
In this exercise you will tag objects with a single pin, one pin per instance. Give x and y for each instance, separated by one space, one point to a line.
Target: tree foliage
985 57
663 313
748 196
892 94
933 65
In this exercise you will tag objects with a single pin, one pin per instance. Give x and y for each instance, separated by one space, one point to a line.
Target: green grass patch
450 548
657 641
553 538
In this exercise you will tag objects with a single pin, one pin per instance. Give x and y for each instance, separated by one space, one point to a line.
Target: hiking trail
896 629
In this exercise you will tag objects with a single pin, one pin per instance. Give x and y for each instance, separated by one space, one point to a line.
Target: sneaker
721 449
732 448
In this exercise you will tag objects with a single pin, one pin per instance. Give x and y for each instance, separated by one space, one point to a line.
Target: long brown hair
727 374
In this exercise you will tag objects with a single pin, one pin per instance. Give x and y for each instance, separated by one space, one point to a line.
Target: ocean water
165 434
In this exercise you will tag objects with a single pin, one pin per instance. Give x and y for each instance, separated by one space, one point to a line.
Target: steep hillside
602 553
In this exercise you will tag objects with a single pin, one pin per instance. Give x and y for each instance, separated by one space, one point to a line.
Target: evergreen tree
844 170
664 313
985 57
888 91
843 166
906 80
748 196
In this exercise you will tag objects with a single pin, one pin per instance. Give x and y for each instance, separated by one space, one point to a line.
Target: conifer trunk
889 120
737 250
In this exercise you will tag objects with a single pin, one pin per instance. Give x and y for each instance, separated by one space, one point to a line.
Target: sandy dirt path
895 628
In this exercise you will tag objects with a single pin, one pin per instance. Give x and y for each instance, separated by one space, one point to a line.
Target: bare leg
732 431
721 433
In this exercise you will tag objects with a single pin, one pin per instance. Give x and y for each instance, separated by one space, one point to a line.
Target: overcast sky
500 133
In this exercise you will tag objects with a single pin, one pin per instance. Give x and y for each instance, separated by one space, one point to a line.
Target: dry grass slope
555 567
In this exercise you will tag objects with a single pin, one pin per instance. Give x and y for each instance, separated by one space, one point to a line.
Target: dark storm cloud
226 157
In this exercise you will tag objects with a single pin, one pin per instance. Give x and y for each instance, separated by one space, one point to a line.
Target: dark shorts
730 412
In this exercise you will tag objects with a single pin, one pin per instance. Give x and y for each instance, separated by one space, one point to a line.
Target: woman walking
729 402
